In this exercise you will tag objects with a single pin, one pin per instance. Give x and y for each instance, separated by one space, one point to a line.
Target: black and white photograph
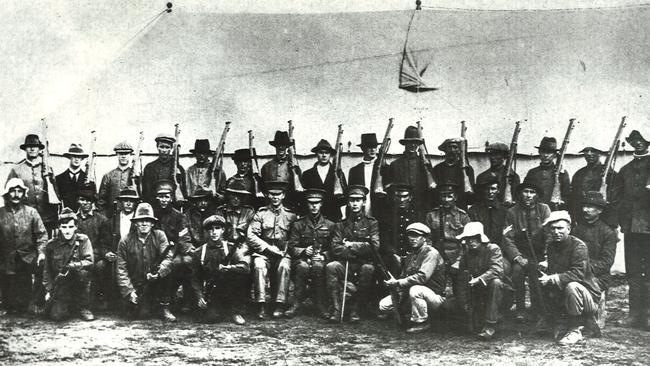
342 182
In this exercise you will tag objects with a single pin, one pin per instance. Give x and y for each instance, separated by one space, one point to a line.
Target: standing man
244 175
588 178
128 200
197 174
542 175
631 199
351 239
143 265
446 223
97 228
451 171
402 213
115 180
201 207
569 285
70 181
224 268
422 279
485 290
498 154
489 210
524 230
66 277
364 173
321 176
267 237
237 214
309 248
30 172
161 168
409 169
22 249
601 244
279 169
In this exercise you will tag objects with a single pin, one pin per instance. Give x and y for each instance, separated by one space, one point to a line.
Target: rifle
422 152
217 162
46 171
257 178
556 195
178 192
463 279
510 172
155 266
609 161
63 273
383 270
338 187
90 164
463 158
378 184
293 165
136 170
534 269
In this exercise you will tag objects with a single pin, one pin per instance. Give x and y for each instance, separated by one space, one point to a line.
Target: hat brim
24 146
484 238
329 149
192 151
75 155
546 149
238 191
523 186
415 139
139 218
128 197
280 143
368 145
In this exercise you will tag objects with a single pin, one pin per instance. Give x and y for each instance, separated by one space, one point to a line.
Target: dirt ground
305 340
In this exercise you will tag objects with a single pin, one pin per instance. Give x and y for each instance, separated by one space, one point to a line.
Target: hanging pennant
411 71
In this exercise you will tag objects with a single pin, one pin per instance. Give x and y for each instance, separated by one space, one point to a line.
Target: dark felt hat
88 191
368 140
445 144
486 180
591 148
32 140
201 146
635 135
144 211
75 150
201 192
323 145
411 134
547 144
594 198
281 138
242 155
128 193
528 184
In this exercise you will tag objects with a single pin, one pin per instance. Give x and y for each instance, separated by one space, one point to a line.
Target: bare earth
305 340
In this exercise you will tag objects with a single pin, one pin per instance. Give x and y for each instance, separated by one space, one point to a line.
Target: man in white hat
484 291
144 262
115 180
570 287
422 281
72 179
22 249
68 270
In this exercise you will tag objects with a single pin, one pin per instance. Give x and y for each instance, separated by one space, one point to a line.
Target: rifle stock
136 167
46 170
293 165
556 195
609 162
422 153
508 198
257 178
467 184
178 192
217 162
378 184
90 164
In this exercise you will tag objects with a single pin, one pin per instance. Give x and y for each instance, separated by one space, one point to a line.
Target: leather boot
335 316
293 309
165 314
261 311
86 315
320 301
354 311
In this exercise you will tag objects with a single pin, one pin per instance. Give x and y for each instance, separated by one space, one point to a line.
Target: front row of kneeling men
337 261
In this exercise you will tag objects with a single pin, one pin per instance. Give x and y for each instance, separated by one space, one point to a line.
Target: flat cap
557 216
164 186
123 146
445 144
67 214
497 146
214 220
165 137
418 227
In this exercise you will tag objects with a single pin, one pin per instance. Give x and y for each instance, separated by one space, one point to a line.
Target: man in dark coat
409 169
281 169
589 178
498 154
115 180
601 241
488 210
569 285
365 173
162 168
451 171
198 175
72 179
201 207
322 176
631 198
542 175
244 178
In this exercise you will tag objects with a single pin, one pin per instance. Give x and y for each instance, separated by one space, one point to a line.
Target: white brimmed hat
473 229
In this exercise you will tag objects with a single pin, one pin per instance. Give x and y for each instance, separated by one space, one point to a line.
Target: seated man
481 290
569 286
352 256
66 276
309 247
220 273
144 262
422 281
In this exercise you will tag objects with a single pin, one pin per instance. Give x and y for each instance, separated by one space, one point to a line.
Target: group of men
404 247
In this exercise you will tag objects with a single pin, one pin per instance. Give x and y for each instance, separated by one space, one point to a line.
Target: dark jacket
359 232
523 224
331 205
69 190
357 176
176 228
446 173
588 178
157 170
308 231
393 231
570 260
630 198
542 176
22 236
135 259
425 268
207 258
601 242
500 173
57 253
493 217
409 169
443 236
98 229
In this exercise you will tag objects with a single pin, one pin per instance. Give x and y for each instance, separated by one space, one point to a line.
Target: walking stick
345 287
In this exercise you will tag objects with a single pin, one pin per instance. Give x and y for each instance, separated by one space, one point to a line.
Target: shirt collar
368 162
